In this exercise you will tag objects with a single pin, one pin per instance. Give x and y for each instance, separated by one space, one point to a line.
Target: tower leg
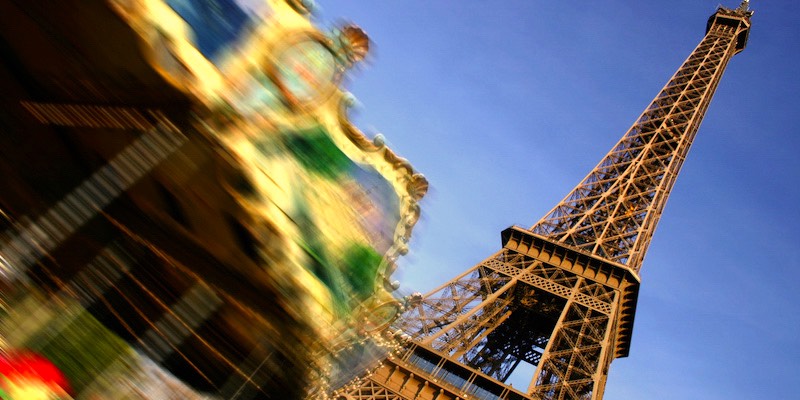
576 359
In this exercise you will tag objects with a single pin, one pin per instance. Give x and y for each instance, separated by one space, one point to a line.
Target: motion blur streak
187 210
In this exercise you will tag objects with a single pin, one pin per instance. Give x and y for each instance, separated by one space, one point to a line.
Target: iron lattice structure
561 296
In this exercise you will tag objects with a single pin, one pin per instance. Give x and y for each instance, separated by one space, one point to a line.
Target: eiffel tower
561 296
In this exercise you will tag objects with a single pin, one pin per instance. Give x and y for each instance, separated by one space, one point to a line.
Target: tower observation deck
561 296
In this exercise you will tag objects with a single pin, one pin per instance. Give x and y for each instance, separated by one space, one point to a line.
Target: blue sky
505 106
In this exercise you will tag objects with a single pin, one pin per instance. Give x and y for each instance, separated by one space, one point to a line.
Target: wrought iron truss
613 212
502 312
561 296
533 303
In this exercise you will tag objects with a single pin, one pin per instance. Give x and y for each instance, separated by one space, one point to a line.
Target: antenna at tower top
745 6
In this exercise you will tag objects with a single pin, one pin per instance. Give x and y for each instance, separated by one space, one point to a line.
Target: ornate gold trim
415 184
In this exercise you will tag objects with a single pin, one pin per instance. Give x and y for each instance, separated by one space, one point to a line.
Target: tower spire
614 211
560 298
744 6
